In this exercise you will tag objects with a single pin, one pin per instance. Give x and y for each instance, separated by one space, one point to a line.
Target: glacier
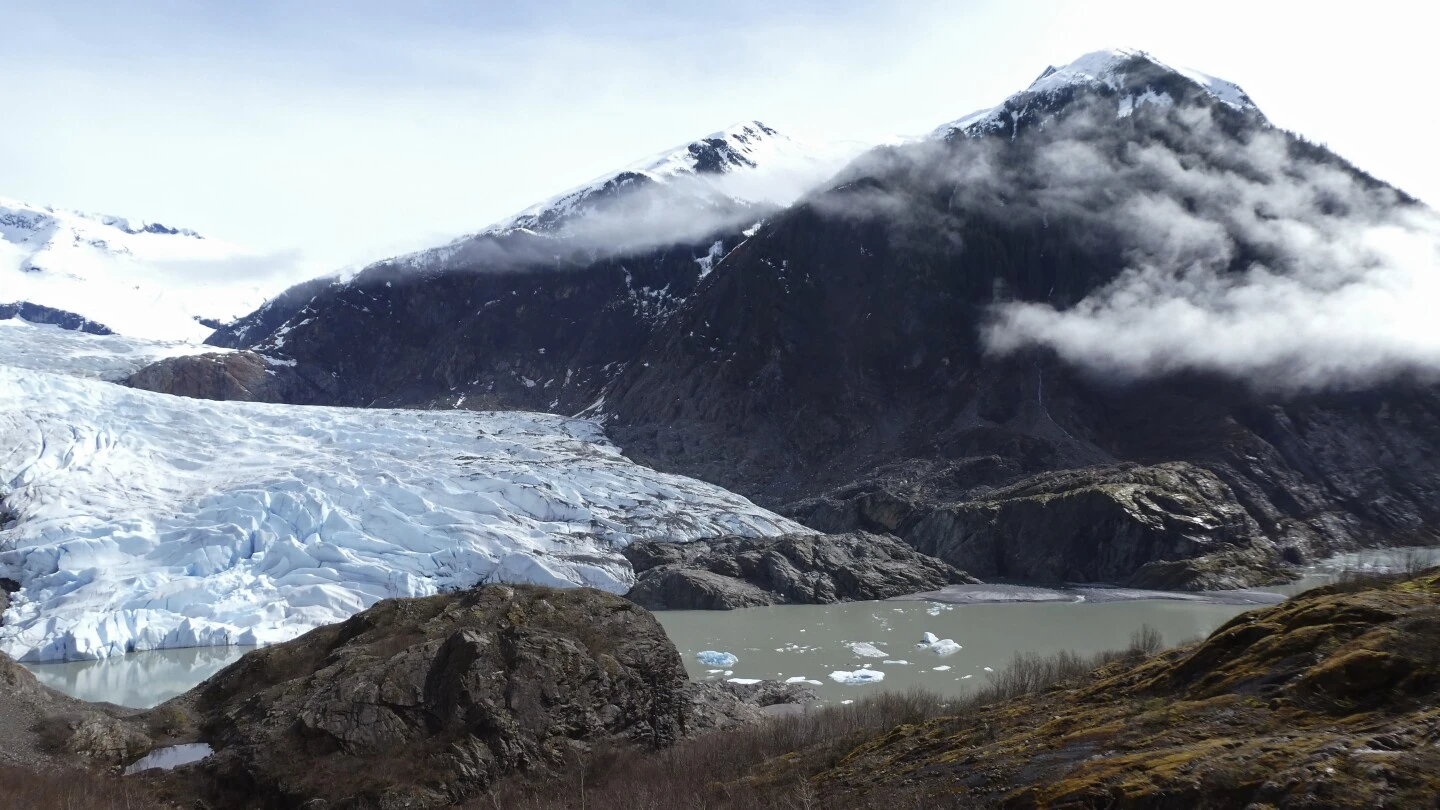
137 521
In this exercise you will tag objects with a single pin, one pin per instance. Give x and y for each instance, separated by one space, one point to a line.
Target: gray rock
1168 526
793 569
424 702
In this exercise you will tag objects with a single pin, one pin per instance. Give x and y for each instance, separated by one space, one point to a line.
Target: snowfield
140 521
138 278
44 347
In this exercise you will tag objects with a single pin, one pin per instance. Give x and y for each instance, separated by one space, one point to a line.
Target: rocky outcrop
242 376
1169 526
7 587
42 727
793 569
1172 526
422 702
1330 700
35 313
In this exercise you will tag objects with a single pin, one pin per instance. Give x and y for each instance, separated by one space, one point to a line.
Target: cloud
1246 253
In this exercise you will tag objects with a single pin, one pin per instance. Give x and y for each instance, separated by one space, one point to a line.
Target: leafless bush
68 789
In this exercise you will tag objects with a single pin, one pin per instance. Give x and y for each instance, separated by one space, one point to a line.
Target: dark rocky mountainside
738 572
35 313
834 363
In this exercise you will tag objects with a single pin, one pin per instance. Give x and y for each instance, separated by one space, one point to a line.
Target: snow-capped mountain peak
139 278
735 174
1133 77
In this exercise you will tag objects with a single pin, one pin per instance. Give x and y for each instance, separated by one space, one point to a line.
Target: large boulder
423 702
738 572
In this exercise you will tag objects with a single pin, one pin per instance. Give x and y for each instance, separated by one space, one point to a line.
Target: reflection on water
139 680
811 642
170 758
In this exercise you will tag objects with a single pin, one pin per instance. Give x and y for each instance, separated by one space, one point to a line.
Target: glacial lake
990 624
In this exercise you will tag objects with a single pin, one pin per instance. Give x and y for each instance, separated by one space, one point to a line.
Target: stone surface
422 702
242 376
793 569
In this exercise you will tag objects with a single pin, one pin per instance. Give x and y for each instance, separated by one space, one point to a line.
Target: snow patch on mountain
141 521
1112 70
728 179
141 279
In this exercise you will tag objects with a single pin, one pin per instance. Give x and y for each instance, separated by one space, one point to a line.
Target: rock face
1168 526
35 313
423 702
793 569
241 376
42 727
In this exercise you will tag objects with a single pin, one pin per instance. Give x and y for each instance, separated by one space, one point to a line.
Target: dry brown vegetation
770 766
69 789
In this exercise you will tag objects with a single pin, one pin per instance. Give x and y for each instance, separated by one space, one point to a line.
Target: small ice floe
713 658
857 677
966 677
866 650
946 646
743 681
942 668
802 679
846 702
170 757
899 662
940 646
987 669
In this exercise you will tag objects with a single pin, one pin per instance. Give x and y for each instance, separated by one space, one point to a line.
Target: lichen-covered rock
1168 526
792 569
423 702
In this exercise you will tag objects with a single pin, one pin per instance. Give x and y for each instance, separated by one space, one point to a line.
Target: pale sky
344 132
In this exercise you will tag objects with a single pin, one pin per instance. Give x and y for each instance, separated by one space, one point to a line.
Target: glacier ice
714 658
147 521
858 676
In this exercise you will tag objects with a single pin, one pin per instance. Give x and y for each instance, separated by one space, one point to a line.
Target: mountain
1116 328
538 311
1130 78
141 279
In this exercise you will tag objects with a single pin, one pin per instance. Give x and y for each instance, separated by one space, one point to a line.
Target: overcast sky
354 130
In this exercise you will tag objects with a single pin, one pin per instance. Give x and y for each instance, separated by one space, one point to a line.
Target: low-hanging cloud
639 214
1252 255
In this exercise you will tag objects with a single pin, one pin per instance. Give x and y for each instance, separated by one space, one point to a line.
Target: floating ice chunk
743 681
942 668
170 757
846 702
930 638
857 677
987 669
802 679
866 649
966 677
714 658
900 661
946 646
